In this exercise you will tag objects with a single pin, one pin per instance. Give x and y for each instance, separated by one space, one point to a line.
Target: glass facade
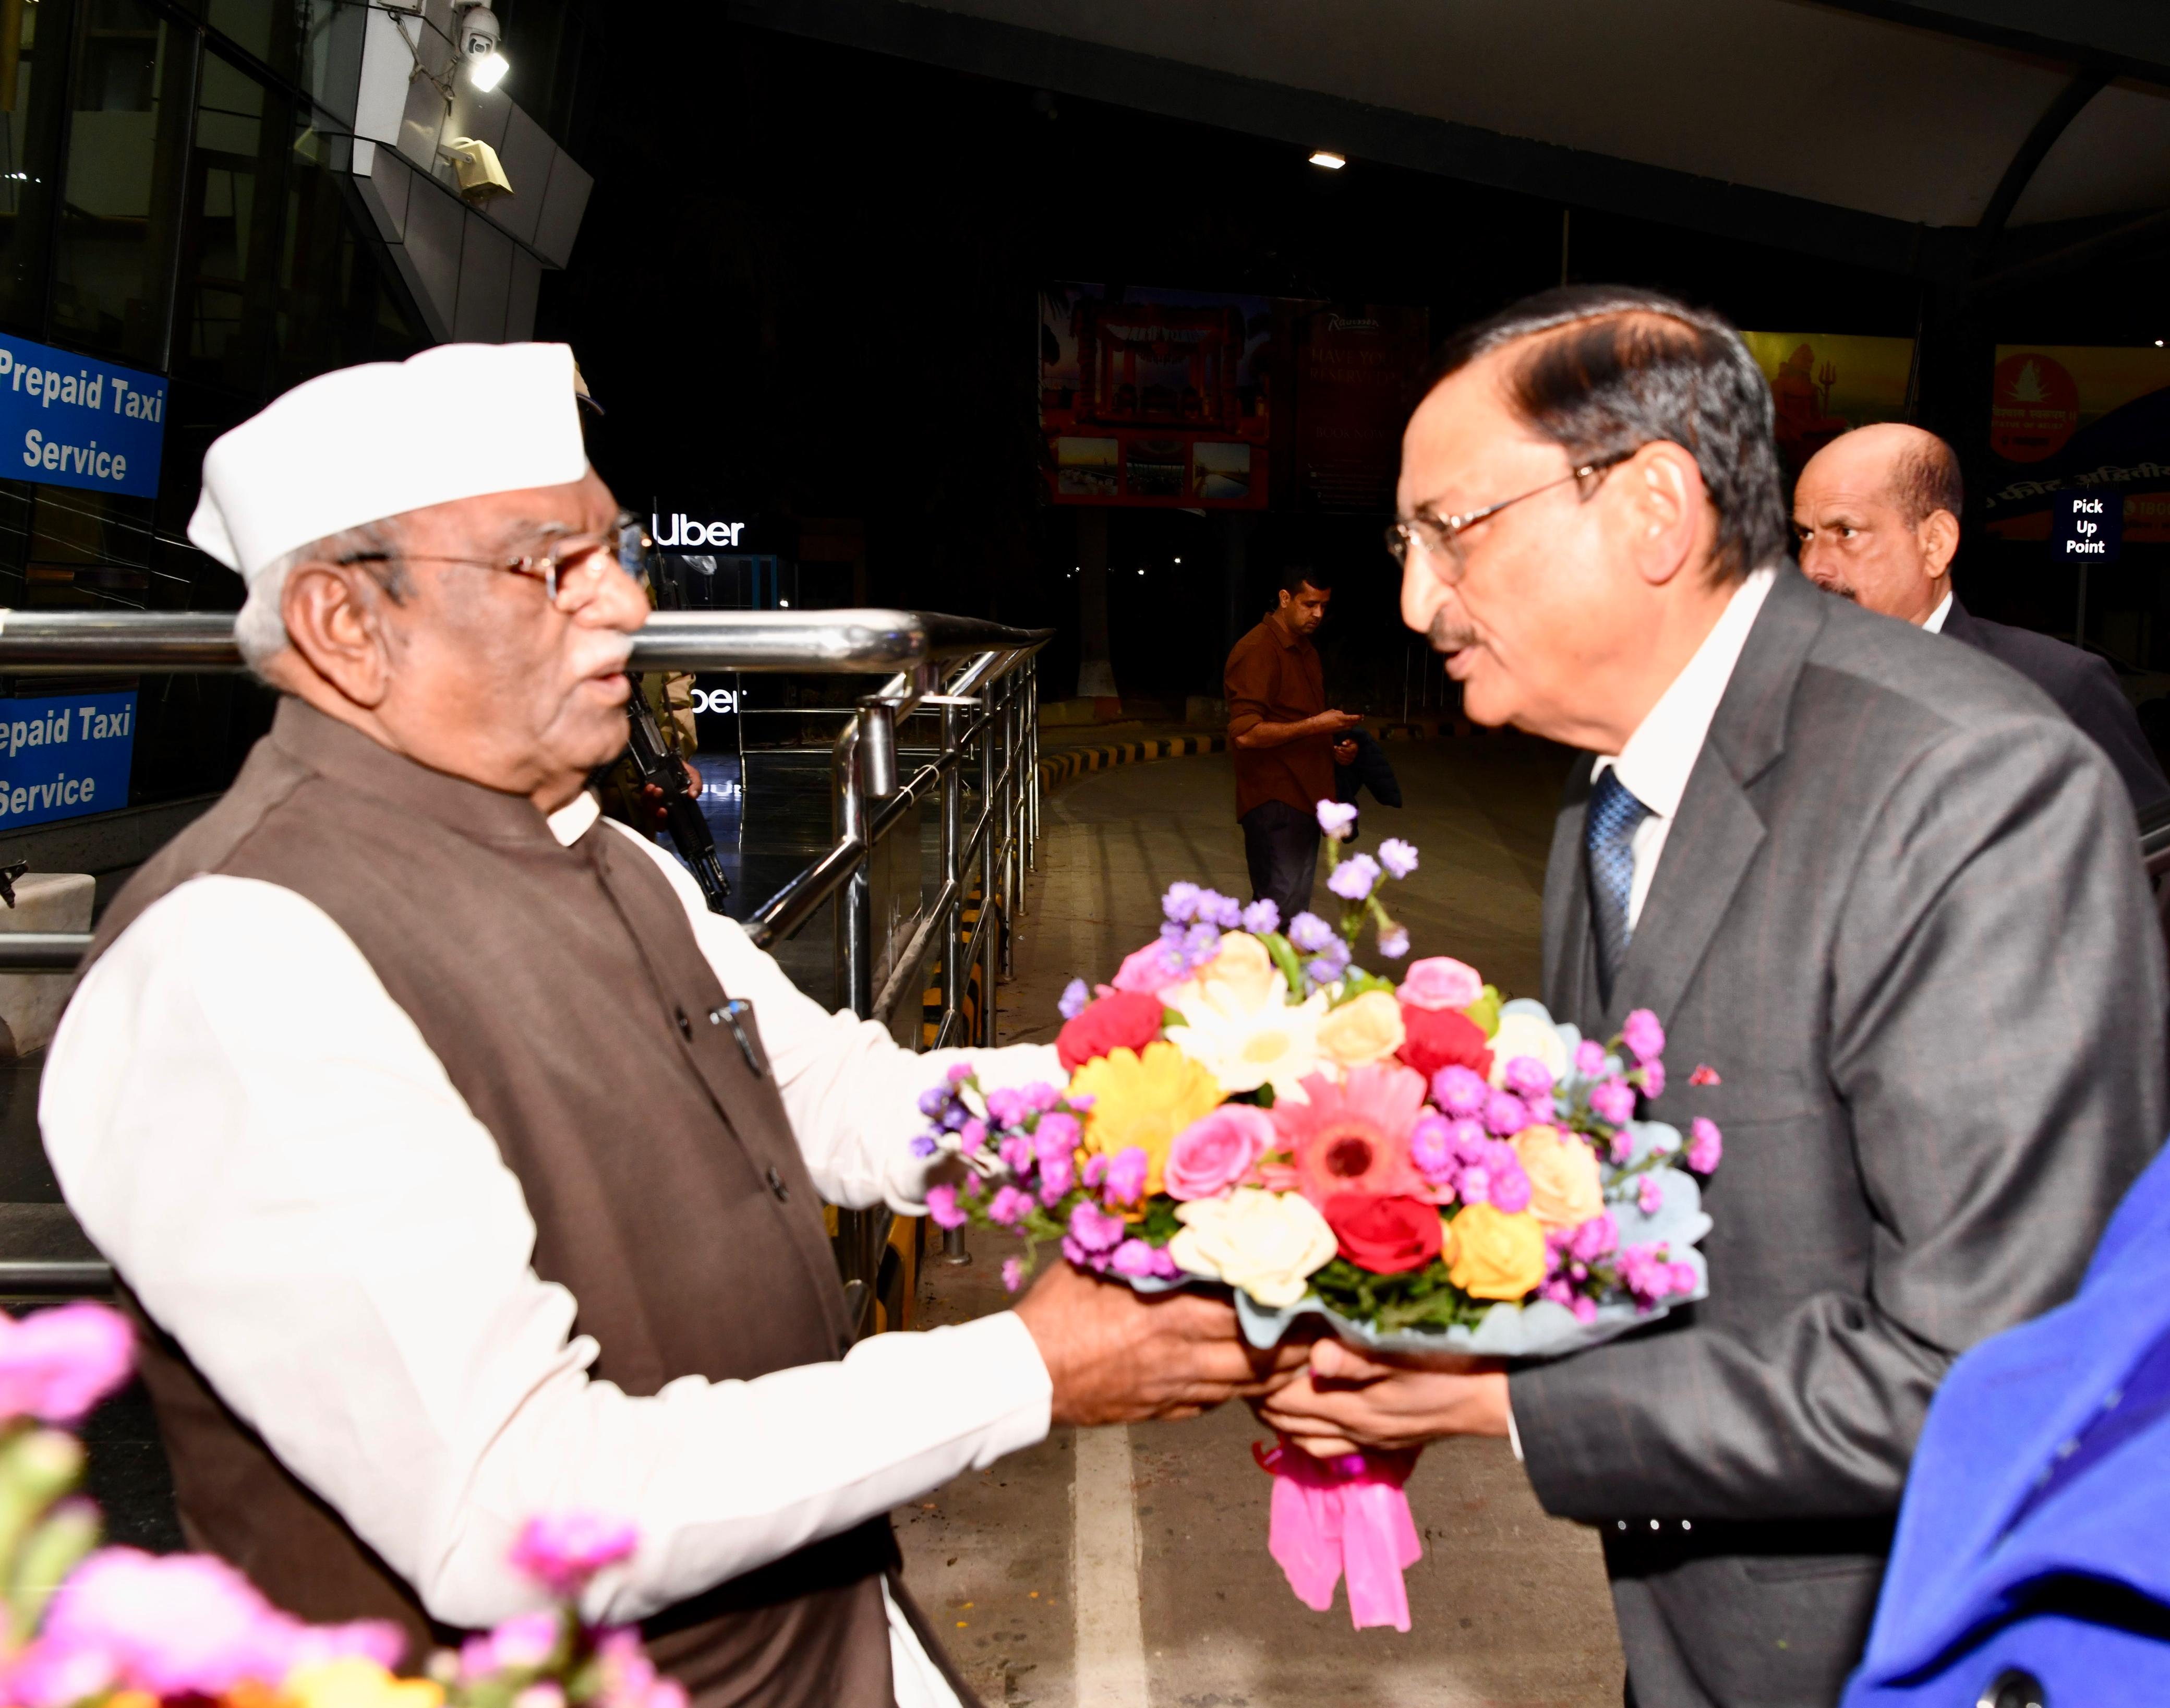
168 201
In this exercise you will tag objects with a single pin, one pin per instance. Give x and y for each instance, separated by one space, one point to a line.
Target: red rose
1384 1236
1127 1020
1437 1038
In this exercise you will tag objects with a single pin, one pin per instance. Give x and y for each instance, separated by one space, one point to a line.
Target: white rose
1526 1035
1266 1243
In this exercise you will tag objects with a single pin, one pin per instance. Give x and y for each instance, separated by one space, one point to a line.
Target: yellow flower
1361 1032
1564 1190
1143 1101
1491 1254
358 1683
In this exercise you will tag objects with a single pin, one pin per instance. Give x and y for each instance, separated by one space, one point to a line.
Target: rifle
657 765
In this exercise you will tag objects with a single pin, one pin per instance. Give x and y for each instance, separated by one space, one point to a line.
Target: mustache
1448 635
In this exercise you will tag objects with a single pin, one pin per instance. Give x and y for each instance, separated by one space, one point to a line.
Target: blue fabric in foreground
2032 1536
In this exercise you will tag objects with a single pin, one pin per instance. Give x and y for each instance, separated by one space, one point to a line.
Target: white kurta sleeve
852 1093
262 1142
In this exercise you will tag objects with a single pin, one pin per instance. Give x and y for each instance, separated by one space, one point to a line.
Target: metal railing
978 678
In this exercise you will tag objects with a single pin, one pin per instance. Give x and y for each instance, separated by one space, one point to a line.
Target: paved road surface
1151 1541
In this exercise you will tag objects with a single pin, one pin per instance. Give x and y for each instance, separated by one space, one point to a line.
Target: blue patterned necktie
1608 835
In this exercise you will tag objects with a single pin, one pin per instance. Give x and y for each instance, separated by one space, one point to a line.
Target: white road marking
1111 1643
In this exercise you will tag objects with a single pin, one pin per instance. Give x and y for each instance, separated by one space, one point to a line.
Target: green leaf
1355 981
1284 954
1485 1011
1160 1225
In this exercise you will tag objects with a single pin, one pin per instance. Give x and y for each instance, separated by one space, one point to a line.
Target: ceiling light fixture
1330 160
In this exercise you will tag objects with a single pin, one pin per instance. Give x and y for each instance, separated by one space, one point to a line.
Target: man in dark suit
1878 510
1875 880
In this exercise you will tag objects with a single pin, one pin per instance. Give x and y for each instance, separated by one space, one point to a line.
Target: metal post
990 932
855 969
1009 788
953 879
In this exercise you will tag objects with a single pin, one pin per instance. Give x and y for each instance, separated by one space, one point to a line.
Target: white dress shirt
1663 751
1934 622
258 1137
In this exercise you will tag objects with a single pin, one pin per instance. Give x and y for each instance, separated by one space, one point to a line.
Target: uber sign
682 534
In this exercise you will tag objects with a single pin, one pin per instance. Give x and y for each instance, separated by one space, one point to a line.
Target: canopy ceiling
1880 131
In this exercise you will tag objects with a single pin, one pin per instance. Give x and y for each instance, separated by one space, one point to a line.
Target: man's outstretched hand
1348 1399
1117 1356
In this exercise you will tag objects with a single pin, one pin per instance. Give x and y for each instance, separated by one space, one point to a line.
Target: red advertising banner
1357 370
2085 418
1154 397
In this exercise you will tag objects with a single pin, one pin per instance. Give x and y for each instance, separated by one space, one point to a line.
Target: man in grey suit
1875 880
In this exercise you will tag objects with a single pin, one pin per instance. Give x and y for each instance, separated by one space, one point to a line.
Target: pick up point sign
2086 527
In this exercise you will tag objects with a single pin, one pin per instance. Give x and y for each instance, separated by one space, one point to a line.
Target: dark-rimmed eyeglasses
570 570
1434 536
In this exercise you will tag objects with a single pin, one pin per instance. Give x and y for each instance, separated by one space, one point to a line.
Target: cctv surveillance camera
479 33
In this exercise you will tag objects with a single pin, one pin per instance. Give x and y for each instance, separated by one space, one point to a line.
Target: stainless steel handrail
820 642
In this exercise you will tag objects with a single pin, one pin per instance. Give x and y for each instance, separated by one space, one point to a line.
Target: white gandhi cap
355 446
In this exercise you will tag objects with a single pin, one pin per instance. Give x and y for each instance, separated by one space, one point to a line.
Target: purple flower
1613 1101
1590 1058
933 1101
973 1133
1642 1034
1468 1138
1039 1096
943 1208
1330 963
1126 1176
1508 1187
1334 818
1018 1154
1057 1175
1261 916
1009 1206
1005 1106
1180 903
1133 1257
1432 1150
1096 1170
1650 1195
1012 1274
1505 1114
1529 1078
1094 1229
1394 942
1647 1272
1654 1078
562 1551
1398 856
1075 995
959 1072
1222 913
1056 1136
1584 1309
1310 932
1475 1185
926 1144
1459 1090
1355 878
1705 1144
955 1115
1623 1147
1595 1239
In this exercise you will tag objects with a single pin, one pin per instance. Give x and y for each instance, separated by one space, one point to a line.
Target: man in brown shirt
1283 739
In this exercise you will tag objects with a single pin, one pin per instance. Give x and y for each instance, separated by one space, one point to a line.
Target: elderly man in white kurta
460 1165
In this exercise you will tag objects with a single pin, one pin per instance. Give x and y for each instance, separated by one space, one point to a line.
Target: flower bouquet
1427 1166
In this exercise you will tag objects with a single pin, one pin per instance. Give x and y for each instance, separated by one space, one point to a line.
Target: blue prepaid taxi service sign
70 421
64 755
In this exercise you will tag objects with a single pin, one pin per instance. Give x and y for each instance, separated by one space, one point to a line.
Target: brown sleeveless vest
565 995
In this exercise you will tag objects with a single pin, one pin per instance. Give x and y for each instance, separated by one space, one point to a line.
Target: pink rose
1211 1155
1147 970
1441 982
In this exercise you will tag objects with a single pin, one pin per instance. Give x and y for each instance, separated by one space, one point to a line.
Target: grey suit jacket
1901 914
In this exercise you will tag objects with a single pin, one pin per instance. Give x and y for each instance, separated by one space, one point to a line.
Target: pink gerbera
1354 1137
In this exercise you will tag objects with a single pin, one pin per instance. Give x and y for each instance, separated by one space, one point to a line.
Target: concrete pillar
1096 670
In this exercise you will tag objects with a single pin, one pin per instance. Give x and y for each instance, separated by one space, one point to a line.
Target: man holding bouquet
460 1165
1880 883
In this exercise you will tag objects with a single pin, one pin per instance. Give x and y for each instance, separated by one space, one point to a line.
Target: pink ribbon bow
1341 1518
